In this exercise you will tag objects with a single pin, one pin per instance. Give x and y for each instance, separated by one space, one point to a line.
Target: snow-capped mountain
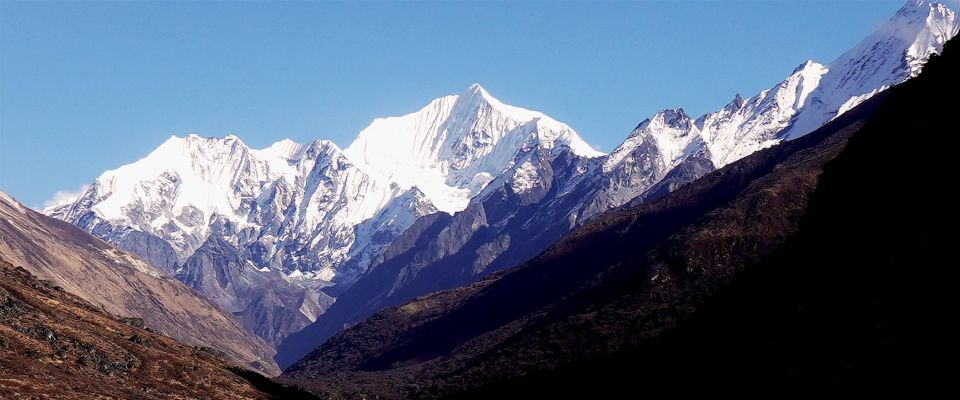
811 96
457 144
304 217
292 211
891 55
540 196
292 207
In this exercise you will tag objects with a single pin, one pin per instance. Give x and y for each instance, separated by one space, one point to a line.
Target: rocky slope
122 284
264 300
54 345
795 268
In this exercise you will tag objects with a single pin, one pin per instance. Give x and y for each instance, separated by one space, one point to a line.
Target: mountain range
299 241
663 153
795 270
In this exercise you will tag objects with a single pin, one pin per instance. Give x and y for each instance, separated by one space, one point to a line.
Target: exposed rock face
263 299
122 284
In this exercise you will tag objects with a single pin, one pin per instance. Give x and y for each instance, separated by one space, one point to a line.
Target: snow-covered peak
810 96
915 32
735 104
552 132
477 90
926 11
188 182
301 206
182 170
451 148
805 65
476 96
284 149
670 131
286 196
674 117
894 53
738 129
804 80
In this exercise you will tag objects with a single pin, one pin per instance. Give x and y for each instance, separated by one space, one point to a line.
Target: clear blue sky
86 87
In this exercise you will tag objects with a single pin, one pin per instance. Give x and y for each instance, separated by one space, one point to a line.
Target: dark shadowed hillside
816 265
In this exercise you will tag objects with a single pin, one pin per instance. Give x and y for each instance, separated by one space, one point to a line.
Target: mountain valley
476 249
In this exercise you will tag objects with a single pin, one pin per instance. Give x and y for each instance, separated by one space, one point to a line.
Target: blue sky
86 87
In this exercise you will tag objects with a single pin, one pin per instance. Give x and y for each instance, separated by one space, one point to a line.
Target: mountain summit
811 96
893 53
454 146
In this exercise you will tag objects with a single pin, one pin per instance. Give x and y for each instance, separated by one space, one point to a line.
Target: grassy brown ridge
55 345
122 284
